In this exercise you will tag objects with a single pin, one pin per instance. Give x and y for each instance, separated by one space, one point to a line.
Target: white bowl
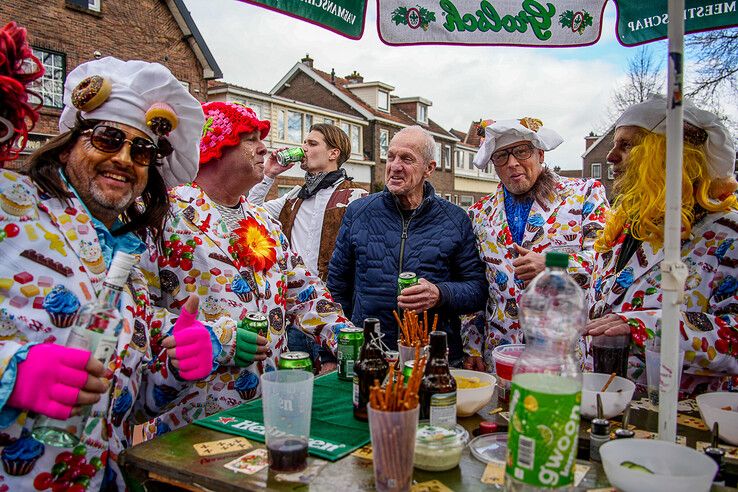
710 407
614 400
675 468
470 401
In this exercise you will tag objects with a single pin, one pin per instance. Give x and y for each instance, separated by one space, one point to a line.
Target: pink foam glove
193 349
49 380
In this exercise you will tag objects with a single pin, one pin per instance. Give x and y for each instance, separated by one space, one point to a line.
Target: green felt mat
334 432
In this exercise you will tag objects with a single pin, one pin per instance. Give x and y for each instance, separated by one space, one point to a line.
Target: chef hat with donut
145 96
224 124
498 134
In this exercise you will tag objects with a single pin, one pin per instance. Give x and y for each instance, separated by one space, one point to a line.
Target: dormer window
383 100
422 113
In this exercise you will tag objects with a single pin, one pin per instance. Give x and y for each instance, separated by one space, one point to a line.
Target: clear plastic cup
610 354
287 398
653 370
408 353
505 357
393 447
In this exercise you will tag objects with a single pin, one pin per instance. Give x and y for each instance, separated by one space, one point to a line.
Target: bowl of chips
473 390
721 407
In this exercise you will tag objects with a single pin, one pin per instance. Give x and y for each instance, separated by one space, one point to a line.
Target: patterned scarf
316 182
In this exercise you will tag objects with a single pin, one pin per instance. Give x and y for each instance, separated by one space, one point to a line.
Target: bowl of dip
438 448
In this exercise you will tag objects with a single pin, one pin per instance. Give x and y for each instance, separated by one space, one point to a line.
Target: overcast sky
567 88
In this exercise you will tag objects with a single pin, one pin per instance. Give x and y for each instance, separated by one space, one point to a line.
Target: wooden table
171 460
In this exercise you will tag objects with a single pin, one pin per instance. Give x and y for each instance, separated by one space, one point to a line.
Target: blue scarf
110 244
517 212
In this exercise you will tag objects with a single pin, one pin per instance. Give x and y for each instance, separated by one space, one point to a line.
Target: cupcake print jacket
196 258
50 267
568 223
708 332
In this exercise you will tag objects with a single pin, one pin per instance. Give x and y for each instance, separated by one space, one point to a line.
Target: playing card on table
223 446
689 421
731 452
579 473
430 486
364 452
494 474
249 463
305 476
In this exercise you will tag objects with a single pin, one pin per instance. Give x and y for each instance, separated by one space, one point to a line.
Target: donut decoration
161 119
482 125
91 92
531 123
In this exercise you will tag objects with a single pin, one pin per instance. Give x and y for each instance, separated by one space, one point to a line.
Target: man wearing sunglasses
533 212
240 262
93 191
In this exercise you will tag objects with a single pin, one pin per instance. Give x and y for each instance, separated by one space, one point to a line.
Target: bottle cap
486 427
600 427
624 434
120 268
557 259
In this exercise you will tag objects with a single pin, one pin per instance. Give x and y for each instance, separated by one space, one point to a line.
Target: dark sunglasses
110 139
521 153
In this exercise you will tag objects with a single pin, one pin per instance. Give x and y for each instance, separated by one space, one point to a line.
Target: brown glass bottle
370 366
437 392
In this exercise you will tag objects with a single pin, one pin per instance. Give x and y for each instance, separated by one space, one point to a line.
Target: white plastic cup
653 370
287 398
393 447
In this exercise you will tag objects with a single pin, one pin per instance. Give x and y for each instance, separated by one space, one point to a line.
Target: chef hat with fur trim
498 134
651 115
145 96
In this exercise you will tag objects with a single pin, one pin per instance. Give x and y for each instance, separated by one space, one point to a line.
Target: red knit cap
224 124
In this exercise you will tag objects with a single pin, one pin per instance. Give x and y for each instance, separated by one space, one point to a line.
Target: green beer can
405 280
407 370
286 156
350 340
295 361
255 323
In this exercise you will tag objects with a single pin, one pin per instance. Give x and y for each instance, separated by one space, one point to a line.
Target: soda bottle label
443 410
544 430
356 391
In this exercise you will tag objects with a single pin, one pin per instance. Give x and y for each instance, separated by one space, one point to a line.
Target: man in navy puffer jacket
407 228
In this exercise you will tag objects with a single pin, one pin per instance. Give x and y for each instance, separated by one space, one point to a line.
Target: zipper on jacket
403 236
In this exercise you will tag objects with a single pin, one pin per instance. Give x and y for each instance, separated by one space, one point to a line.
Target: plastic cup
653 370
505 357
610 354
287 398
393 447
408 353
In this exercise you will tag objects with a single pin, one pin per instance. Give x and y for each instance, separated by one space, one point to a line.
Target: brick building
383 112
470 182
66 33
594 160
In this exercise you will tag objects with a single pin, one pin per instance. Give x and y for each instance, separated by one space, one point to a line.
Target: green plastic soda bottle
546 390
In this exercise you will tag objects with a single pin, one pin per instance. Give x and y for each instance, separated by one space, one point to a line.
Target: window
185 84
383 100
283 190
459 161
346 127
355 136
446 157
383 143
422 113
280 124
595 170
294 127
456 199
470 160
94 5
611 172
308 124
51 86
438 154
466 201
448 197
329 121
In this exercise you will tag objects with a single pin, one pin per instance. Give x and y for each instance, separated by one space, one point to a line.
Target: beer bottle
370 366
437 392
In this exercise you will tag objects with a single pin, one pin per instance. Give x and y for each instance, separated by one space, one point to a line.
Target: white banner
490 22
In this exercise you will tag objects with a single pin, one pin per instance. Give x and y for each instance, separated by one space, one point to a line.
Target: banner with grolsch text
554 23
344 17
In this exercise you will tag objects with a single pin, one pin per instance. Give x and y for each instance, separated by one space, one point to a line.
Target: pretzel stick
401 325
425 324
609 380
435 322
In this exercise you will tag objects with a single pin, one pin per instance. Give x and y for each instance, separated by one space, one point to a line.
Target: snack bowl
713 408
614 400
648 465
470 400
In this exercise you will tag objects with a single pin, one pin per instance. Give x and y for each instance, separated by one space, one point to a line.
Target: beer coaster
364 452
430 486
494 474
690 421
305 476
580 471
249 463
731 452
223 446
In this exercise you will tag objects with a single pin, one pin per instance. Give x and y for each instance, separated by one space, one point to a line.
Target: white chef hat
145 96
498 134
651 115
